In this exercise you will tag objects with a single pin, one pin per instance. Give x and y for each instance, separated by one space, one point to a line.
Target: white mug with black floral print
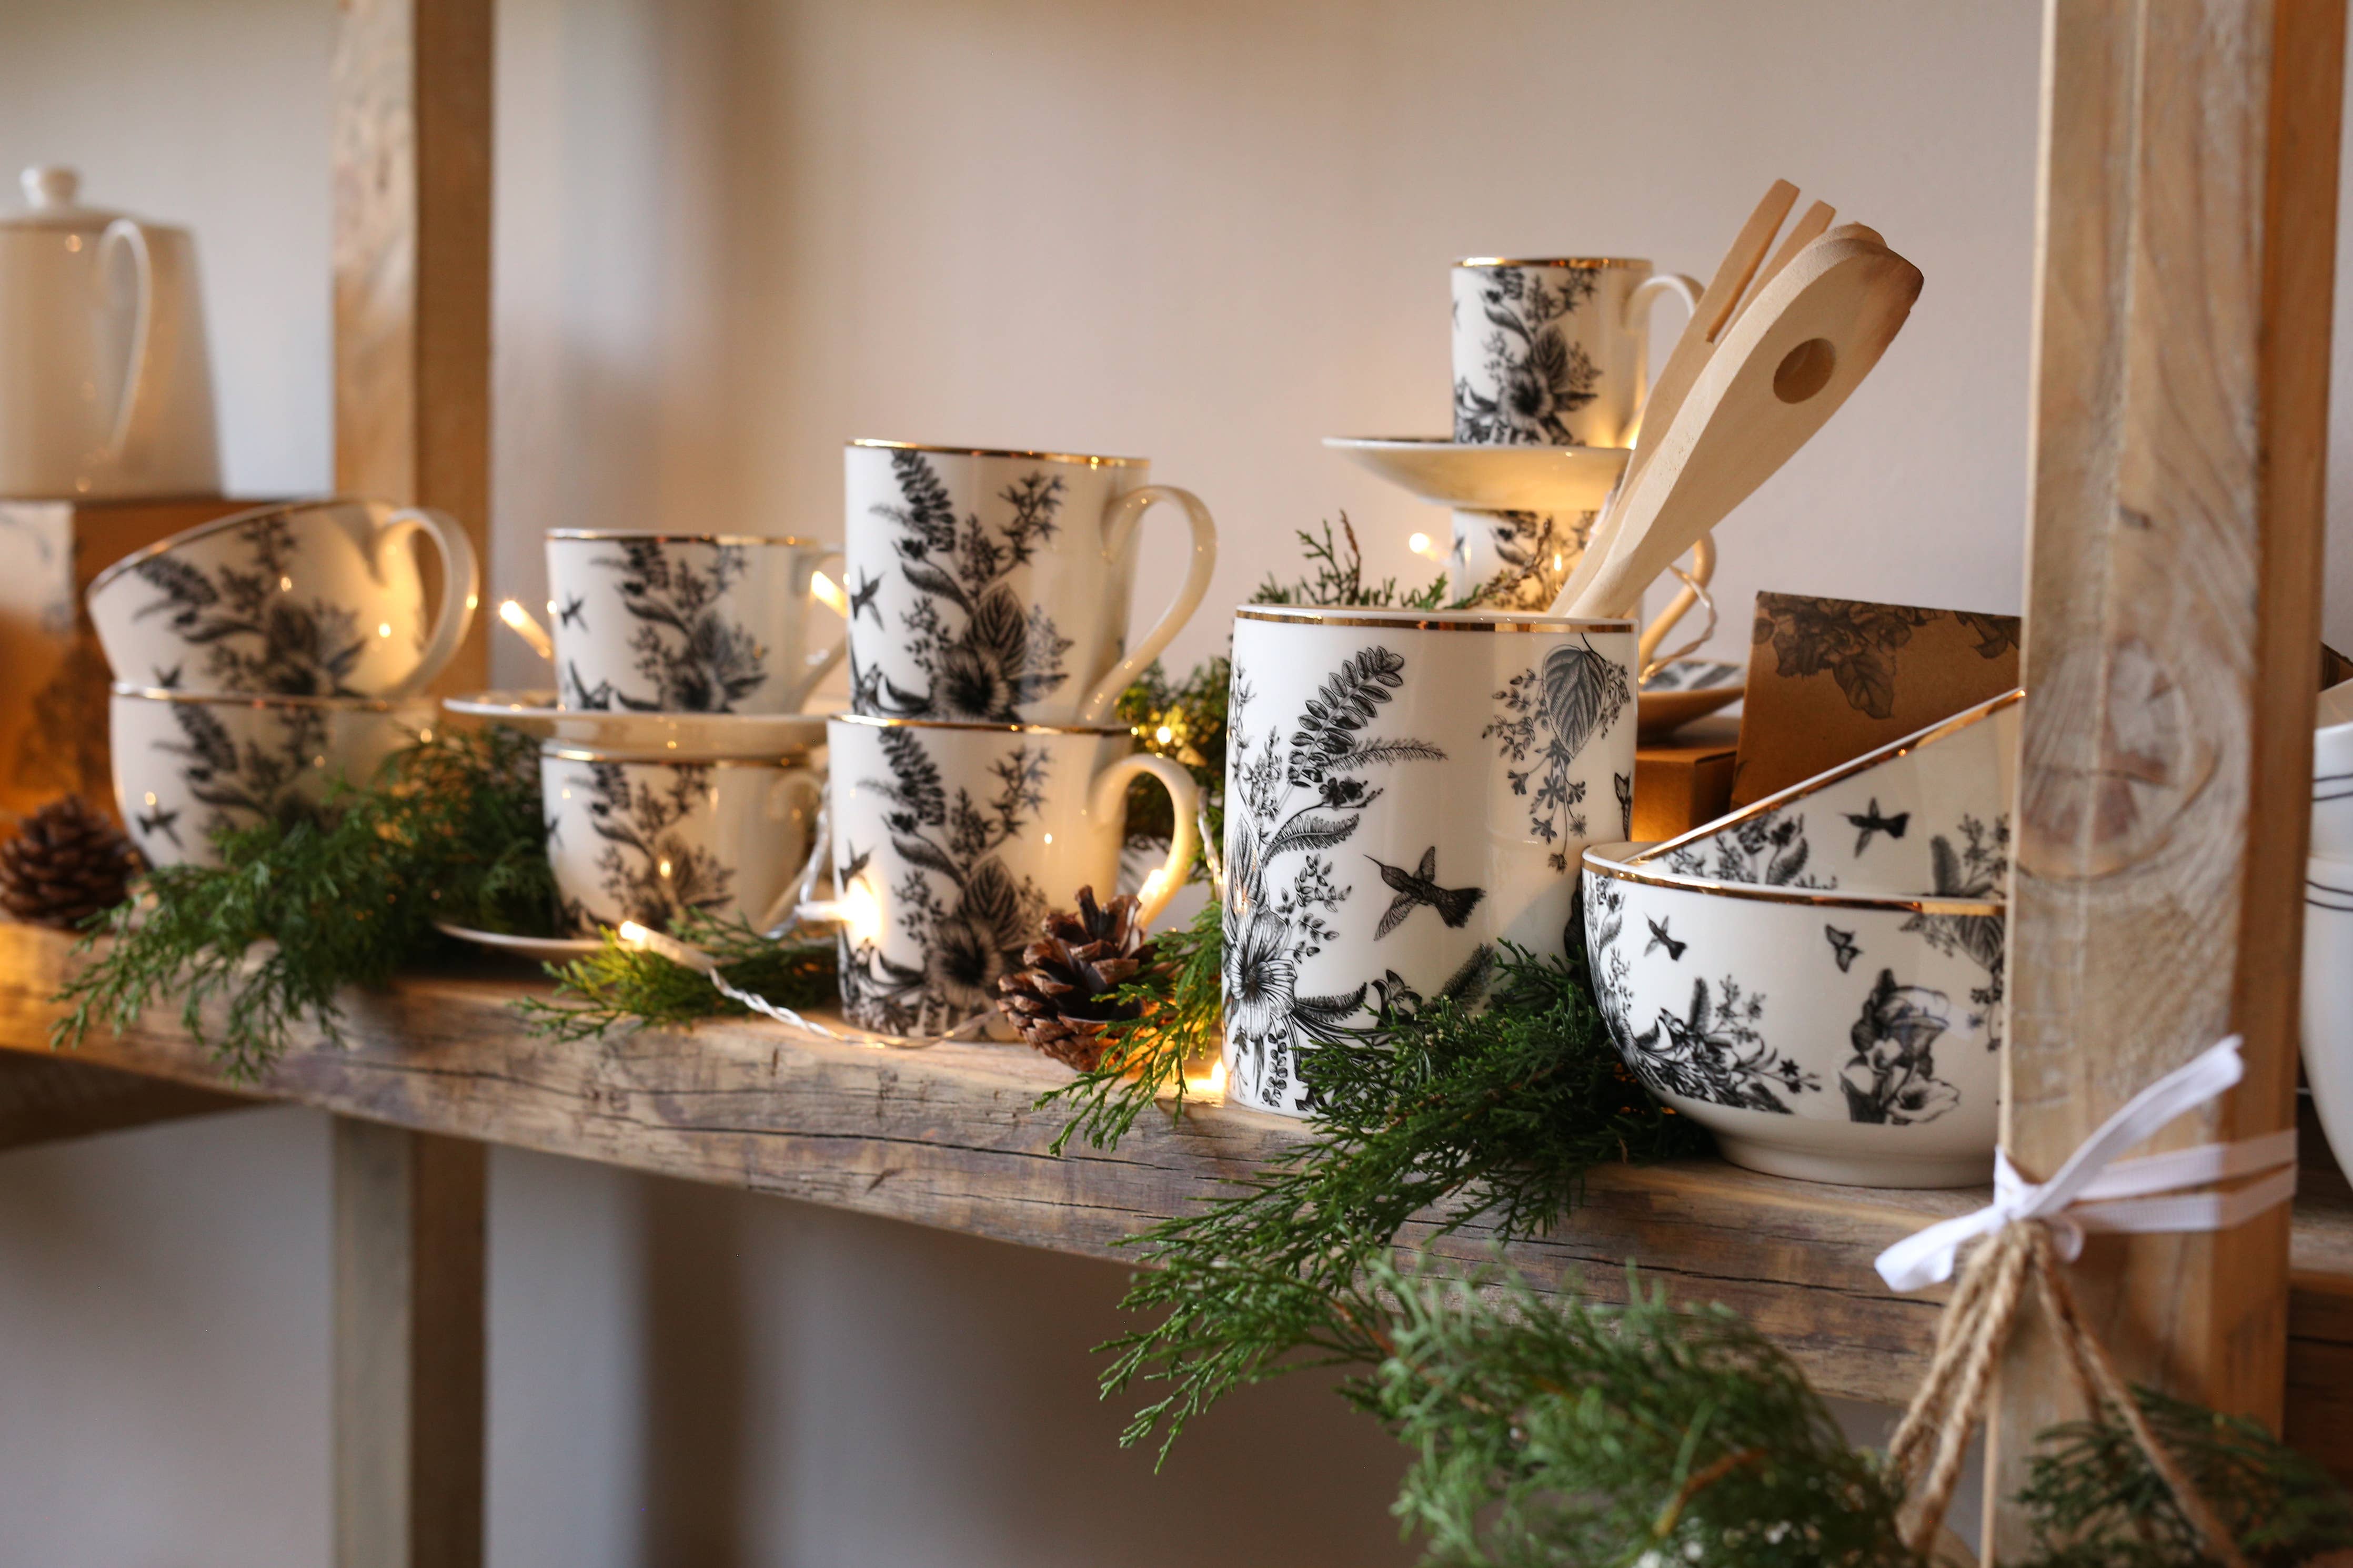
646 838
686 623
1405 792
993 585
1555 353
952 843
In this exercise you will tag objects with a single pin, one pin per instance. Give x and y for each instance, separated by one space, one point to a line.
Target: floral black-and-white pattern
1857 642
256 636
692 657
1892 1076
956 901
647 869
241 784
1549 714
1769 849
982 652
1294 800
1540 375
1534 551
1975 867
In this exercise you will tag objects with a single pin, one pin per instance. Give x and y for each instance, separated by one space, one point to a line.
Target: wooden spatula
1783 368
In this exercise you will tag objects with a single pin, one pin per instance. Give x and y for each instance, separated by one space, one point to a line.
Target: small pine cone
67 863
1061 1000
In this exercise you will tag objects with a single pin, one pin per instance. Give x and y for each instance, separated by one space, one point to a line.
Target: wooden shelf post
412 265
2184 267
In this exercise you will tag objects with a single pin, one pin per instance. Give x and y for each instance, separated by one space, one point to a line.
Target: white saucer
1698 687
1490 479
538 949
694 734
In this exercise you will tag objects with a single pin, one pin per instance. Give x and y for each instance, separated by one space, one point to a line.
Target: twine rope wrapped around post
2035 1229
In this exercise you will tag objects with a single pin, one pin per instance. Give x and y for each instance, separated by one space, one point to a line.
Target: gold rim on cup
1090 460
1623 872
1588 263
1426 621
881 722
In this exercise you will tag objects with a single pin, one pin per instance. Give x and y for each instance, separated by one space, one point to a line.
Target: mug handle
1119 524
461 586
1638 322
1694 589
1107 804
132 235
818 666
795 781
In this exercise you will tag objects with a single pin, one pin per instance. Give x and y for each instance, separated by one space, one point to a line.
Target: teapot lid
49 193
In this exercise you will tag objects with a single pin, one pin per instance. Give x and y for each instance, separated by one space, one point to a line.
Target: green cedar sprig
450 829
1143 1060
1337 568
1495 1116
619 984
2093 1500
1550 1429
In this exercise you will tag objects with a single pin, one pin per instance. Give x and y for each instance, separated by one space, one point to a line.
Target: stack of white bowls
1817 978
260 658
2328 924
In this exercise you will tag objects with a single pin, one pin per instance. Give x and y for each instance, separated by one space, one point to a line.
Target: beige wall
731 234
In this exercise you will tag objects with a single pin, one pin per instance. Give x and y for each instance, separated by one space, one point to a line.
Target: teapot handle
132 236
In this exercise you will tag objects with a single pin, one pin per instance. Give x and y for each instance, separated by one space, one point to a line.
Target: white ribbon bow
2096 1191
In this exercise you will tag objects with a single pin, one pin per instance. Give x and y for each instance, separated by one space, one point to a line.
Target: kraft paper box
1686 779
1830 679
53 678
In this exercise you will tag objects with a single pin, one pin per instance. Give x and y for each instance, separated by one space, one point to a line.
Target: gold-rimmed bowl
1831 1035
1928 815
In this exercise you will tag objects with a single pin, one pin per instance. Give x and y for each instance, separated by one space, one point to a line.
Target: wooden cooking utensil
1802 233
1783 369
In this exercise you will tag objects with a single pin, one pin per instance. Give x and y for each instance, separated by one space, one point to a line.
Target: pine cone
1061 1001
67 863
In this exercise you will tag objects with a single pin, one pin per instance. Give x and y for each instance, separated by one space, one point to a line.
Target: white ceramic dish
1490 479
731 735
2332 775
533 949
1833 1037
2328 998
1926 814
1683 689
186 765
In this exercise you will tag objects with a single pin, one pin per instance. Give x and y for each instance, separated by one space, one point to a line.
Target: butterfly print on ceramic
1842 947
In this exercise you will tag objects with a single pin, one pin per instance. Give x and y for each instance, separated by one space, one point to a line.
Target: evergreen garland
621 983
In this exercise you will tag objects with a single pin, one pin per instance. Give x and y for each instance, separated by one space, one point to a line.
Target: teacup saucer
537 949
1490 479
1684 690
695 734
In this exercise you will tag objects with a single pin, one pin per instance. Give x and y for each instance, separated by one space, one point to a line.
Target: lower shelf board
949 1136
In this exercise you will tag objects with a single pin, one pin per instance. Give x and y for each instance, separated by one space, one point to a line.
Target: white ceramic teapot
105 386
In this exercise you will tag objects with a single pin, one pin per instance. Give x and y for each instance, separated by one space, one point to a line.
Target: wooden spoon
1782 370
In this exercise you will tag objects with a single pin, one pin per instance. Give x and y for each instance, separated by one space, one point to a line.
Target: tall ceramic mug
684 623
312 599
993 585
643 836
1555 353
953 842
1405 791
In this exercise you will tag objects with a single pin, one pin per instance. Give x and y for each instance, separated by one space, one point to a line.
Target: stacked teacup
1549 353
979 779
260 658
2328 925
700 790
1817 978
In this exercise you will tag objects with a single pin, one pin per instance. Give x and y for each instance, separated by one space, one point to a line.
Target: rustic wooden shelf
947 1136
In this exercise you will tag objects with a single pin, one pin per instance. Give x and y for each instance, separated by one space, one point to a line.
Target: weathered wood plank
43 1102
949 1137
2181 384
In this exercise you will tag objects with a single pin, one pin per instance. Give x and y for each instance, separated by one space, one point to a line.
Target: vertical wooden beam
412 264
408 1348
2186 259
412 260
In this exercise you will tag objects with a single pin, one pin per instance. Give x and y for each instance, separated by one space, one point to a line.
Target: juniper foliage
622 984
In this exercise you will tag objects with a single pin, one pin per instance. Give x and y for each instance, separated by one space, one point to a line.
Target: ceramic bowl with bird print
1405 792
1928 815
188 765
2332 775
1833 1036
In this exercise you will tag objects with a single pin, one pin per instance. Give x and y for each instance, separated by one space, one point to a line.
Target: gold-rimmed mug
1554 352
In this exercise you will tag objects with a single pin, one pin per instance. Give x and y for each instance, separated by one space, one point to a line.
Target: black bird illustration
1659 938
569 615
1419 886
1625 782
168 680
1842 947
861 597
161 822
855 866
1872 823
